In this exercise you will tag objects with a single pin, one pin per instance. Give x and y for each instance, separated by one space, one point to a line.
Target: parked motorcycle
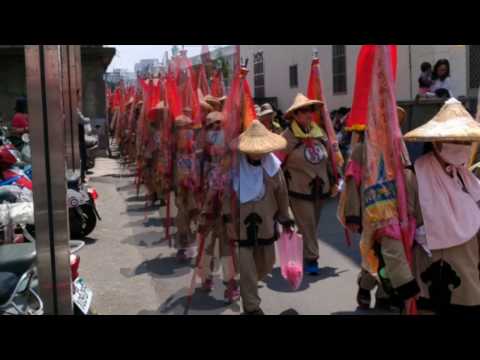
18 274
83 213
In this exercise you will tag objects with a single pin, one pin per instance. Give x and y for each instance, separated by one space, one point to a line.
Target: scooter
18 275
83 213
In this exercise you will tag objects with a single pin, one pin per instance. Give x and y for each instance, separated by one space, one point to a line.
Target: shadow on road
166 267
362 312
119 176
149 239
333 234
141 198
276 282
150 222
142 209
202 303
89 241
129 186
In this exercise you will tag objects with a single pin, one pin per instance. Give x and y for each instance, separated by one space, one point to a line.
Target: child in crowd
425 81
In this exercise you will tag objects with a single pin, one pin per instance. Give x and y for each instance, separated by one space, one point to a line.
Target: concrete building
95 60
227 53
281 71
114 77
147 66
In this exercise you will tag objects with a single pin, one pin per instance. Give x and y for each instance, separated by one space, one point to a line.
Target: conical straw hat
452 123
183 120
212 100
301 101
206 106
213 117
258 140
130 101
266 109
160 107
402 115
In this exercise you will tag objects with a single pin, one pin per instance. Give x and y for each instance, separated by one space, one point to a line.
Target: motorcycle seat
17 258
8 283
91 141
7 196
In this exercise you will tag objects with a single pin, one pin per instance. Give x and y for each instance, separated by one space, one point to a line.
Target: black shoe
255 312
389 305
383 304
364 298
290 312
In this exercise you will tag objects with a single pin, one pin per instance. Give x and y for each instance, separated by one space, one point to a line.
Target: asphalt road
131 269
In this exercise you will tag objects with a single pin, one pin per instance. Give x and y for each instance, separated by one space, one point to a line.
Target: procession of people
242 182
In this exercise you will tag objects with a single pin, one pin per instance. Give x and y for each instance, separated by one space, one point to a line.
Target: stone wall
12 80
95 60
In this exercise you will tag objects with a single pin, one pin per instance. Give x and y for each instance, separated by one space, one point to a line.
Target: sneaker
364 299
383 304
312 267
232 293
207 285
255 312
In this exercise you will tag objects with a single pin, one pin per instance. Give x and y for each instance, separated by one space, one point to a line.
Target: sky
128 55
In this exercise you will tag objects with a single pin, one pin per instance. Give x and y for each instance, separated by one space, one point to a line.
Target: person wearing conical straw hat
261 193
211 224
308 172
267 117
446 251
351 212
186 182
155 118
214 102
223 100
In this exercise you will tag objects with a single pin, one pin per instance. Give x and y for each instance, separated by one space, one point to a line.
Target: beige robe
256 261
309 182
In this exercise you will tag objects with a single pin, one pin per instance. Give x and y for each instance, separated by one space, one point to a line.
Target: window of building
339 69
294 76
474 66
258 75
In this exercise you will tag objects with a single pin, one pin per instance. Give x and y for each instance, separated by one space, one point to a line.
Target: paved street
131 269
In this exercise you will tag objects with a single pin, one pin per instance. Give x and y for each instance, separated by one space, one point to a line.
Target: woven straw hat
213 117
130 101
300 102
258 140
402 115
257 110
212 101
183 120
452 123
160 107
206 106
265 110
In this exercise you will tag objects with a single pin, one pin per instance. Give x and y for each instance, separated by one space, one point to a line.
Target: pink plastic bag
290 251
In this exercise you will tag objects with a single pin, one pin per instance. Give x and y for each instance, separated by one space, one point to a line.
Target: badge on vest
315 154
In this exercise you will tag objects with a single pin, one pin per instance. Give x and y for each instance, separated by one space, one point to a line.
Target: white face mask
455 154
